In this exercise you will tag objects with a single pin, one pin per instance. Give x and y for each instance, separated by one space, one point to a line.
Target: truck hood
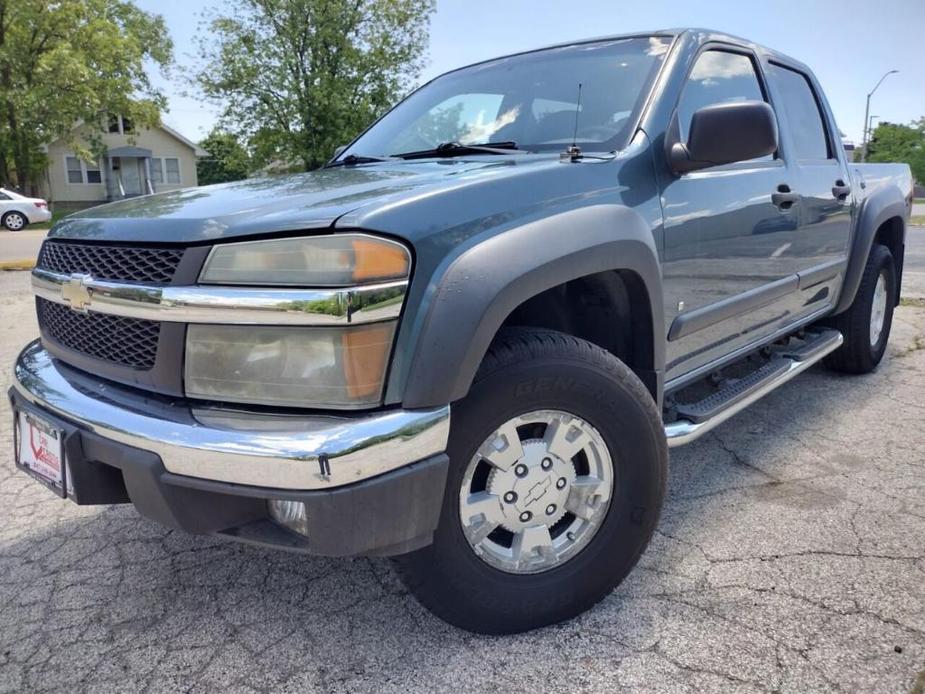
313 200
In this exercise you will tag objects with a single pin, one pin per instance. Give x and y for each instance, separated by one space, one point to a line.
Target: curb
16 265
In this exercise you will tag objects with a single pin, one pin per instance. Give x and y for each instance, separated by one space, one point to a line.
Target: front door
130 171
729 251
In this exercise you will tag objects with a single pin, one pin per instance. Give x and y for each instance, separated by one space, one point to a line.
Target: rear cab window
804 115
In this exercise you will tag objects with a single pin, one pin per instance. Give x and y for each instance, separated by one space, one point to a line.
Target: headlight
341 367
310 261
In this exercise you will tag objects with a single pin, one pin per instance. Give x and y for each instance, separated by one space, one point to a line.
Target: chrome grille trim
231 305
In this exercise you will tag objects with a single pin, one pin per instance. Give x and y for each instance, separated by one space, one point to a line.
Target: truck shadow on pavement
103 597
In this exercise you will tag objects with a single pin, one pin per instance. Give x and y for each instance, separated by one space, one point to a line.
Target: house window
172 167
75 172
120 125
79 171
93 173
157 171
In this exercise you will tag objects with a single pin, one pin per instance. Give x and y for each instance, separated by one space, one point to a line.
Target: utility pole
867 114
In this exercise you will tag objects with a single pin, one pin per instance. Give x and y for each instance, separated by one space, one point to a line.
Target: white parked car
17 211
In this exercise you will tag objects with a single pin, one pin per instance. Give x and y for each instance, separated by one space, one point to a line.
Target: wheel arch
486 284
882 219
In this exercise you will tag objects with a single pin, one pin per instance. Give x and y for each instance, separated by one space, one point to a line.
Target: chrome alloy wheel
536 491
878 309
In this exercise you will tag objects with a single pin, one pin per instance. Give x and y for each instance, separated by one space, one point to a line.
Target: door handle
784 198
840 190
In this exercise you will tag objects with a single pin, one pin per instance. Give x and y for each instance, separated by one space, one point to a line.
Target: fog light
291 514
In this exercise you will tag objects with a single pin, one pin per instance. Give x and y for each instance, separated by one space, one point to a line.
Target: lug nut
525 516
570 536
546 464
520 470
551 509
510 497
560 483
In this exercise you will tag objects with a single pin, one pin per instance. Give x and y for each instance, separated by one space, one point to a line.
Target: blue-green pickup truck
471 338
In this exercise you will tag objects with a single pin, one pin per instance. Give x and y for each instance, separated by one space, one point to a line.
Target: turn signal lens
374 260
336 260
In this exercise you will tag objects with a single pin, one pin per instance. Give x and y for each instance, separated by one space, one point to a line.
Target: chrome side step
696 419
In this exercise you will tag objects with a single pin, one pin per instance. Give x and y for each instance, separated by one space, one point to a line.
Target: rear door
729 231
820 174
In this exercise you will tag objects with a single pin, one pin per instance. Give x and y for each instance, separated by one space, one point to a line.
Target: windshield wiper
454 149
354 159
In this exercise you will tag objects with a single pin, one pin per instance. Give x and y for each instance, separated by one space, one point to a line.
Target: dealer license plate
40 451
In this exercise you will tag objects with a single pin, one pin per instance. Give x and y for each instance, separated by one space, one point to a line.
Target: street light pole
867 114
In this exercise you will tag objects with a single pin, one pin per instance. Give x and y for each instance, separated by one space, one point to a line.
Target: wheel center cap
534 490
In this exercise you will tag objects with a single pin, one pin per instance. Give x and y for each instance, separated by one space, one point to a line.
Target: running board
696 419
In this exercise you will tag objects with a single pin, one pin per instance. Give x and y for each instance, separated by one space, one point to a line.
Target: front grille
119 263
129 342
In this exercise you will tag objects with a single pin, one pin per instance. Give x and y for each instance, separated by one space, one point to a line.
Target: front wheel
557 475
14 221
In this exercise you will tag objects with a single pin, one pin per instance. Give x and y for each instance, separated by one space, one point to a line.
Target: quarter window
718 77
807 127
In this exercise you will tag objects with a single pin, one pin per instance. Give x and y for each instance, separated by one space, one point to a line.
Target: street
20 245
790 557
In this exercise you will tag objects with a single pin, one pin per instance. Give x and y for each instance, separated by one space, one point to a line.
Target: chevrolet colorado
470 339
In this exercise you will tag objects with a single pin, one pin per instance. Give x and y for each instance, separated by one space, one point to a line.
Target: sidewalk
18 249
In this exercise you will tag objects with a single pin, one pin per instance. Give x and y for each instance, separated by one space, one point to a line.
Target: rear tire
590 396
14 221
866 324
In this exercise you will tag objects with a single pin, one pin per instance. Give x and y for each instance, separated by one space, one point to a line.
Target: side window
807 127
718 77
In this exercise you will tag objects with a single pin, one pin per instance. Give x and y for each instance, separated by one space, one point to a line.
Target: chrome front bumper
281 451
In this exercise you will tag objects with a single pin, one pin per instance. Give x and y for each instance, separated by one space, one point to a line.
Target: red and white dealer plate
40 451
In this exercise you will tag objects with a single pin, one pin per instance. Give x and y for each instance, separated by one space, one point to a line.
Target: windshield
529 99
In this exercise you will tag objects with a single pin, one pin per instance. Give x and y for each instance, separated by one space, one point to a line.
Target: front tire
866 324
14 221
558 463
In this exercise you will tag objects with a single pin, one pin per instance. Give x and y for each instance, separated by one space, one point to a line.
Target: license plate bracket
39 450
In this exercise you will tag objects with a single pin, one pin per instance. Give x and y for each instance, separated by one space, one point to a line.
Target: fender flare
882 205
485 283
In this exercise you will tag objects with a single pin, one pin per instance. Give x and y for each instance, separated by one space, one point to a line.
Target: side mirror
726 133
338 151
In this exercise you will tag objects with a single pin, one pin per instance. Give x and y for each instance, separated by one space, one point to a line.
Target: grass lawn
917 219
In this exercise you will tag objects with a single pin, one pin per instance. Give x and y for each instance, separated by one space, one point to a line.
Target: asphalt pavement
790 557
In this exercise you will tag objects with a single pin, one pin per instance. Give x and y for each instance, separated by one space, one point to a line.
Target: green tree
68 61
297 78
228 160
900 143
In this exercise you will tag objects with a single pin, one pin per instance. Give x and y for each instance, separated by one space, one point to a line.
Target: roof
199 151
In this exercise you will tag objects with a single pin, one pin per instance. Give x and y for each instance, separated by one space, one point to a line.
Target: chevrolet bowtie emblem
76 292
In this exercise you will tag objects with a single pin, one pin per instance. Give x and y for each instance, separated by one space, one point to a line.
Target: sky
849 44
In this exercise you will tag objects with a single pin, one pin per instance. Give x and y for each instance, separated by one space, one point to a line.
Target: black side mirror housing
726 133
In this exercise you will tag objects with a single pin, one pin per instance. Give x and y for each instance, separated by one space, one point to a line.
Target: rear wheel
14 221
557 473
866 324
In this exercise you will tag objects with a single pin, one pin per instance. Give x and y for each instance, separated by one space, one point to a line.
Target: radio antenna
573 153
577 110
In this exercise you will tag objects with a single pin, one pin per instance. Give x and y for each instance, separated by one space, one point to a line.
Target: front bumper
372 483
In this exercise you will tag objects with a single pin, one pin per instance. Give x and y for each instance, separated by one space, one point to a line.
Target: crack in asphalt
790 557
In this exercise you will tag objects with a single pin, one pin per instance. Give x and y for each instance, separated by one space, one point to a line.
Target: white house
148 160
